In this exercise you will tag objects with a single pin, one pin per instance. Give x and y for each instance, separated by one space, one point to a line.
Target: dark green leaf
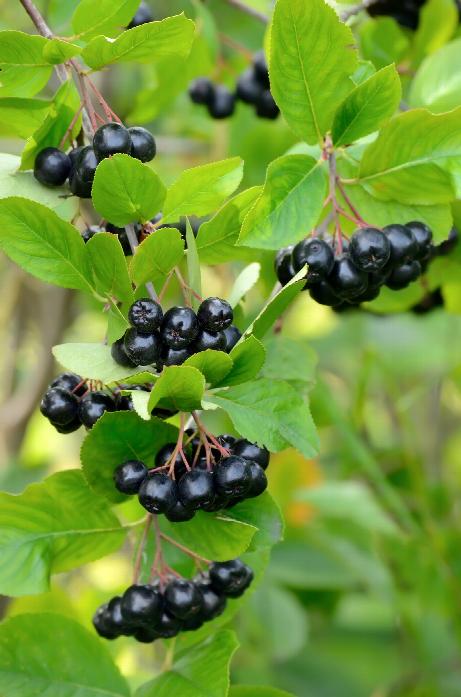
92 361
437 84
248 357
214 365
289 359
156 257
110 271
264 514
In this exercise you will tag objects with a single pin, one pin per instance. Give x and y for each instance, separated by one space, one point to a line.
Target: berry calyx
129 476
179 327
110 139
215 314
52 167
143 146
145 315
370 249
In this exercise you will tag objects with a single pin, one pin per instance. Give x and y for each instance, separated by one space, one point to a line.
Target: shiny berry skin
261 69
323 293
145 315
143 145
227 441
70 427
59 406
116 619
93 406
143 16
232 476
142 349
182 599
174 357
102 623
210 340
369 249
73 155
196 489
78 187
179 513
403 275
157 493
164 455
110 139
283 265
371 293
215 314
168 626
202 90
250 451
85 165
71 382
179 327
317 254
119 354
231 578
233 336
448 245
248 87
346 279
145 635
141 605
423 236
258 481
52 167
266 107
129 476
223 103
403 243
213 604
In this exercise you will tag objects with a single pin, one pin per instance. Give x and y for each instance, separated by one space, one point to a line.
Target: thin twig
142 544
239 5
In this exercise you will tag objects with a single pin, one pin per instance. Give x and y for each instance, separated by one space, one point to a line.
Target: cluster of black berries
151 612
169 339
252 88
53 166
372 258
405 12
143 16
184 481
69 403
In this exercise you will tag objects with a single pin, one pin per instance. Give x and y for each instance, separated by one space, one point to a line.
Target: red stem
142 544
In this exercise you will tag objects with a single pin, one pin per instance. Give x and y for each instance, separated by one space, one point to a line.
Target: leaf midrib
409 165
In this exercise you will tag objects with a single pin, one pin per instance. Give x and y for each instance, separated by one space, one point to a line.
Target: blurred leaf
202 671
437 84
54 526
15 183
289 359
301 565
148 43
193 266
43 244
367 107
214 365
256 691
289 206
217 237
179 387
91 361
264 514
248 357
244 283
156 256
24 69
200 190
116 438
438 21
110 271
312 57
383 41
21 116
364 71
125 190
49 653
105 17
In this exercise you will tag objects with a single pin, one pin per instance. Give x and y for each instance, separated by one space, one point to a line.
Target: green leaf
248 357
383 41
110 271
289 206
244 283
44 653
104 17
289 359
156 257
179 388
200 190
115 438
312 57
149 43
20 117
193 267
269 412
43 244
125 190
217 238
265 515
437 84
18 49
15 183
214 365
416 159
349 501
92 361
201 671
140 401
54 526
51 131
57 51
276 306
438 21
117 324
257 691
367 107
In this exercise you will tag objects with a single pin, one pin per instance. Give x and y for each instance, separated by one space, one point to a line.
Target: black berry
210 340
258 480
323 293
283 265
129 476
213 603
141 605
168 626
233 336
223 103
231 578
157 493
182 599
110 139
142 349
59 406
70 427
403 243
145 315
232 476
116 619
423 236
71 382
143 145
403 275
52 167
202 90
93 406
250 451
174 357
266 108
370 249
196 489
317 254
248 87
179 513
215 314
179 327
102 623
119 354
261 69
346 279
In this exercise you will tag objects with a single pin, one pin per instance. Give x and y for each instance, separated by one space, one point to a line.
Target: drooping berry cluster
372 258
53 166
192 477
169 339
252 88
157 611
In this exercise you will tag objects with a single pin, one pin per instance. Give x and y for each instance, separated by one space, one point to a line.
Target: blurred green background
362 599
